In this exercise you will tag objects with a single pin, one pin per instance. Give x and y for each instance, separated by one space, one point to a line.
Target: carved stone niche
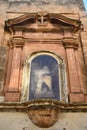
42 113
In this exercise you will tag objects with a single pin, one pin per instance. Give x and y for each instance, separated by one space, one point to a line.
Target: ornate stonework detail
70 42
47 32
42 18
26 27
16 42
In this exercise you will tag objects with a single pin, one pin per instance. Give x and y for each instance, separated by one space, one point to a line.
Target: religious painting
44 78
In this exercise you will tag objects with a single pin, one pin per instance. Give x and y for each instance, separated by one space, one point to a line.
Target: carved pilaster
71 46
12 89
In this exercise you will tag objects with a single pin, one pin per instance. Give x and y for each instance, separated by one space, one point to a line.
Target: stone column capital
16 42
70 42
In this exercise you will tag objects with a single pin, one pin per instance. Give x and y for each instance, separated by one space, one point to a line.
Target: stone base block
2 98
12 96
76 98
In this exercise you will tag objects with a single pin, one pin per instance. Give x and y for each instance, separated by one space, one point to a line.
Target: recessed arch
44 77
41 52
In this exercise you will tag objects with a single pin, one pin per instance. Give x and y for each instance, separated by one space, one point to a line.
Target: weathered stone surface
20 121
3 61
2 72
3 56
78 3
15 114
1 86
15 8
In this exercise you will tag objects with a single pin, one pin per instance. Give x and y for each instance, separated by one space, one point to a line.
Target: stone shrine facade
43 65
44 33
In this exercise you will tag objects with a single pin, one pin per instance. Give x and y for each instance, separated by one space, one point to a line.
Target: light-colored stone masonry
20 121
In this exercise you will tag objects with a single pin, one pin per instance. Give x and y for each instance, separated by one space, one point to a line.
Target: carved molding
42 18
70 42
63 107
16 42
27 16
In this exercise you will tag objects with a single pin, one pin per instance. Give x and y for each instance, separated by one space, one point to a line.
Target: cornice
64 19
19 41
58 16
53 18
20 19
60 106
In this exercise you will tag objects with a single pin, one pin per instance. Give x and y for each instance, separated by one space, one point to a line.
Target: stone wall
20 121
3 56
48 5
78 3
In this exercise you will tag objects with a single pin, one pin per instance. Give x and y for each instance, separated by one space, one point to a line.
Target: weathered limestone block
38 5
79 3
3 56
20 121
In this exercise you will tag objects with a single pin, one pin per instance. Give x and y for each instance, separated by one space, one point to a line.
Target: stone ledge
44 113
60 106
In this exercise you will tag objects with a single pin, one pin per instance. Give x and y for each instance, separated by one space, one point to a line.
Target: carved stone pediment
43 22
42 27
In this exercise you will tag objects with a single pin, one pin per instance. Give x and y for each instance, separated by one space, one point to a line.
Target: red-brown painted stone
62 43
76 98
15 70
9 63
30 48
85 97
12 96
73 73
79 71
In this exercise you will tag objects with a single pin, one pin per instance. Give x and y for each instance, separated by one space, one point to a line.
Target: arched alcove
44 77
